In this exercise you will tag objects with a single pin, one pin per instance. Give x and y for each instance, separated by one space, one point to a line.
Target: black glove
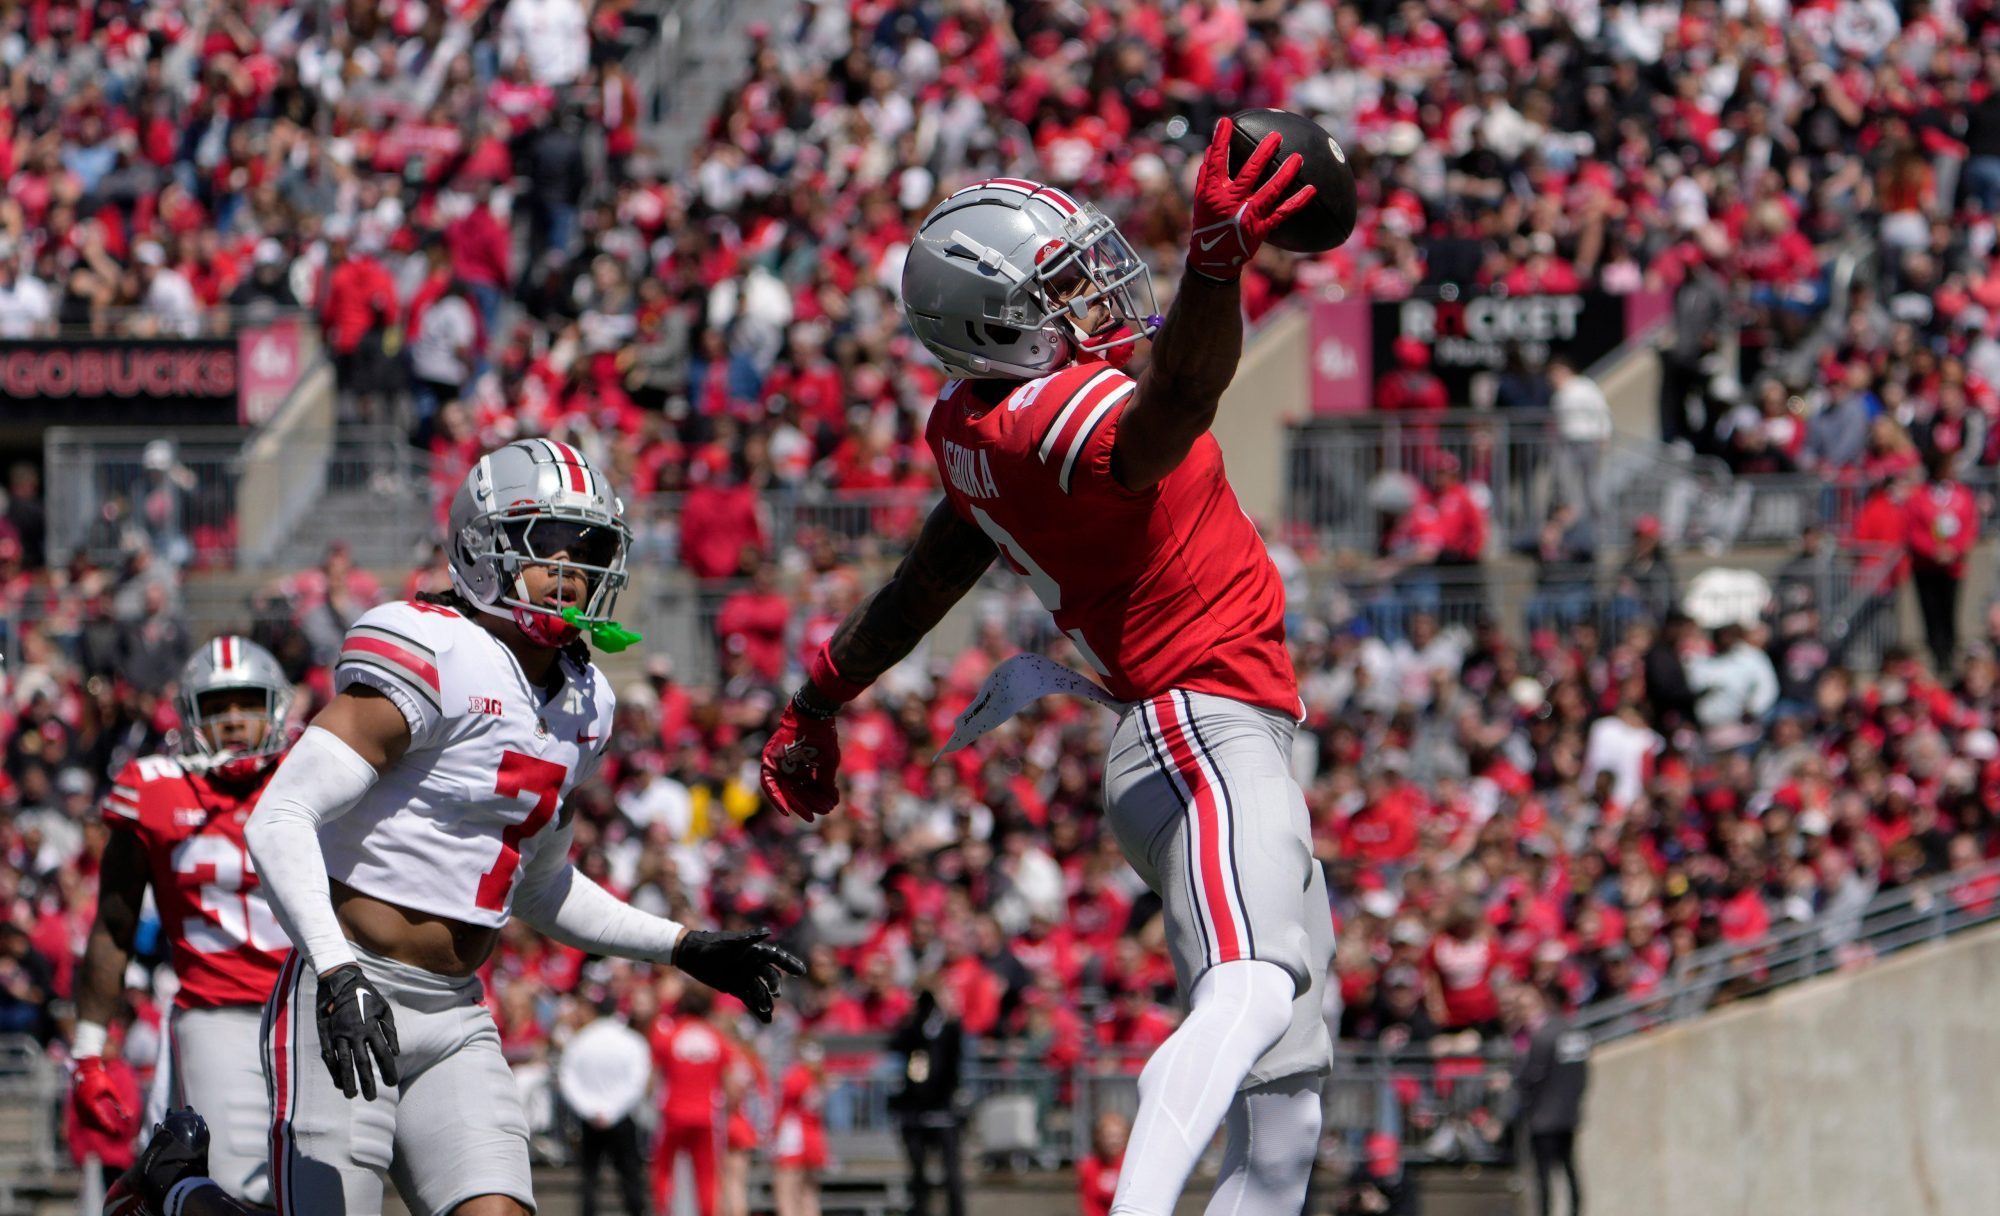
743 965
355 1020
177 1150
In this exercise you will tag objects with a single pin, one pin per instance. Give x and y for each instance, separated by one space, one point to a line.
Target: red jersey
1097 1183
226 942
692 1059
1943 527
1163 588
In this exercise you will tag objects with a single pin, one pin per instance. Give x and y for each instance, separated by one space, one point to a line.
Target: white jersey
490 763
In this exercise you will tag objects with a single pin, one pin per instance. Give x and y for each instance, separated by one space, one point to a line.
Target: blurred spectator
1549 1084
1882 525
357 306
1412 385
1943 528
1583 428
26 515
444 342
931 1043
692 1059
1645 584
1097 1174
268 285
1459 966
606 1070
552 36
1734 688
1837 436
721 522
1701 312
155 643
798 1148
753 622
26 306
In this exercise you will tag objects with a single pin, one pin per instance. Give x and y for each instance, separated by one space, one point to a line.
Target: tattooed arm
948 558
802 757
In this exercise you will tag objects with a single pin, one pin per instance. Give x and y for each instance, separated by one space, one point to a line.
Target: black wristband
807 709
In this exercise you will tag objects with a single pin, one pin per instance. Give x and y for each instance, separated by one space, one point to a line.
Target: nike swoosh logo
1212 242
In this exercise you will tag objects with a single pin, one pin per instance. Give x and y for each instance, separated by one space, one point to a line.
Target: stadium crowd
456 190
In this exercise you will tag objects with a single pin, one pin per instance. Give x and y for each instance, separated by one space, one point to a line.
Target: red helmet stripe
567 455
226 651
1061 201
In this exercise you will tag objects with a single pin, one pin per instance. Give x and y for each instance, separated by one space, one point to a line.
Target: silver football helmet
1001 273
520 506
227 664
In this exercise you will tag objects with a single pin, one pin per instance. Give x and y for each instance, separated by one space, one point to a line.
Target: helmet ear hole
1003 334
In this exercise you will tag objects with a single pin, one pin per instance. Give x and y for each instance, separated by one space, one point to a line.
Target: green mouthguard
608 636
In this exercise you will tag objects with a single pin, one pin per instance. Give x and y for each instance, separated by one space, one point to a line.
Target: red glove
799 764
97 1104
1232 216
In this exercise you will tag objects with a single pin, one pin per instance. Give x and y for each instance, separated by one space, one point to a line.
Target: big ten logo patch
486 705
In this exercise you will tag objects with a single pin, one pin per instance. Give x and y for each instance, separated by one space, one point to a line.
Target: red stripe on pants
1209 866
281 1095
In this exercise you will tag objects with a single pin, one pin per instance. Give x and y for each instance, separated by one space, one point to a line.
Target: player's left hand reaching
355 1022
800 761
743 965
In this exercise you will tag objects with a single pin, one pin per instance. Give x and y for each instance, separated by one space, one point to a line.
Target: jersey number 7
519 774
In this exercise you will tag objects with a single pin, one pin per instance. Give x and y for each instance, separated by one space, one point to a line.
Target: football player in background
1108 495
177 826
423 807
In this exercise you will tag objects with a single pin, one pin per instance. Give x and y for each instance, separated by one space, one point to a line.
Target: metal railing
1349 476
1440 1107
136 322
1523 599
1923 911
1782 504
371 489
102 496
30 1090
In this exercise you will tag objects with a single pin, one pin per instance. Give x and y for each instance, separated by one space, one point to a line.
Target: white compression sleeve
1236 1012
319 780
569 907
1273 1141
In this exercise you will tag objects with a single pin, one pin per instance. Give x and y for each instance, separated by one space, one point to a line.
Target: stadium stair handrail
1924 911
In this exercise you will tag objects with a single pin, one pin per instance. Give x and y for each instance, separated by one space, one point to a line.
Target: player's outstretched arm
804 752
944 563
121 890
564 904
333 765
1198 346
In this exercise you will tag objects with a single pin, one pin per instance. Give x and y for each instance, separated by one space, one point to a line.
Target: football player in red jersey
1108 495
177 826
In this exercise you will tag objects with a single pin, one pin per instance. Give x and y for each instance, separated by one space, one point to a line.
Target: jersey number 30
519 774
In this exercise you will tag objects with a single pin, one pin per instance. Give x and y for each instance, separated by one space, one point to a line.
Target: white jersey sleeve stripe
1090 425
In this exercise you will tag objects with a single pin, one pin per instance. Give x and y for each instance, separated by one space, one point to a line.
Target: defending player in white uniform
423 807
